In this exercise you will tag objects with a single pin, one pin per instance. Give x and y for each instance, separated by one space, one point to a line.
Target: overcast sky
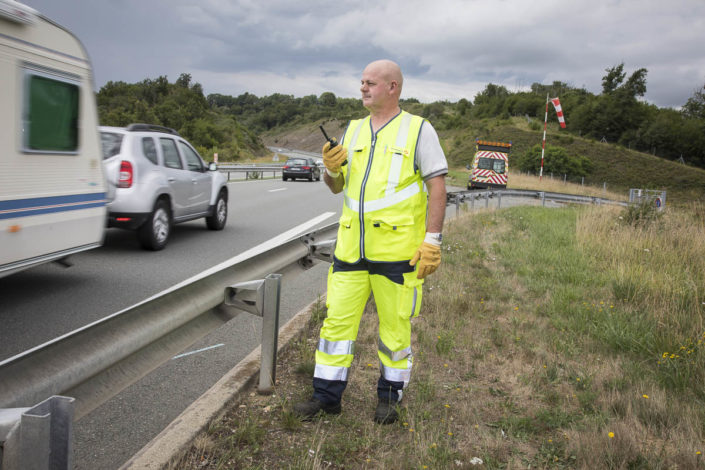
448 49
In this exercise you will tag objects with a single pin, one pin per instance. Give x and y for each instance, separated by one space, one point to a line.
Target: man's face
375 90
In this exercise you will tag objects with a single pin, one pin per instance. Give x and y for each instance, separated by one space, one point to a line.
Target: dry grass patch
524 356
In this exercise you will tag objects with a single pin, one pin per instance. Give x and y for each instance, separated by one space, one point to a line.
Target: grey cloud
452 42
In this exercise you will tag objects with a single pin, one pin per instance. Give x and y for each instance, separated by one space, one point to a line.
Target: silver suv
160 181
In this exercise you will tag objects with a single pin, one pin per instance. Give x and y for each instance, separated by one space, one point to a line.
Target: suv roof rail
151 127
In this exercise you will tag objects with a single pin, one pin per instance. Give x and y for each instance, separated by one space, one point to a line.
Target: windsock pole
543 145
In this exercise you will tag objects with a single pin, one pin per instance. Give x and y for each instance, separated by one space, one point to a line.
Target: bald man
391 170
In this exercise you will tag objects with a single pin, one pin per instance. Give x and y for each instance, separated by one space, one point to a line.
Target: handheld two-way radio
332 141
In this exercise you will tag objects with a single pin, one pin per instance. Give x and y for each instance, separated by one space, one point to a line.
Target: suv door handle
171 180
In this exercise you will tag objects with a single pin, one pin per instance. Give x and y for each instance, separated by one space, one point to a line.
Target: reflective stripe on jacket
384 213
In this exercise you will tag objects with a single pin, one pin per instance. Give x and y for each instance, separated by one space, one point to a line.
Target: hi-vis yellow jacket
384 213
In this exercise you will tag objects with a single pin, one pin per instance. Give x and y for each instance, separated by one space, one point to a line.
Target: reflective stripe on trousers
348 292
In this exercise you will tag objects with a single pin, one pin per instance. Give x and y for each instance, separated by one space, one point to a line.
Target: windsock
559 111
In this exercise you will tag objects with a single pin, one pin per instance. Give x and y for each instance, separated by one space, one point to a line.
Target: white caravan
52 189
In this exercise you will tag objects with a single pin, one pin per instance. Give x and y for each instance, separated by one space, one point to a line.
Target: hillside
617 166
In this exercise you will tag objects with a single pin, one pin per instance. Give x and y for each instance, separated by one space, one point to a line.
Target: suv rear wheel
217 220
154 233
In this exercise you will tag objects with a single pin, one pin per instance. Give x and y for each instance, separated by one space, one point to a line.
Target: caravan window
50 114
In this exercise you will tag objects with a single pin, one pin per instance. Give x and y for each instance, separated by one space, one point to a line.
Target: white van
52 189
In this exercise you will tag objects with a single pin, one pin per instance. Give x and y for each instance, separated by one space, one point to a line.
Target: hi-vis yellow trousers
397 295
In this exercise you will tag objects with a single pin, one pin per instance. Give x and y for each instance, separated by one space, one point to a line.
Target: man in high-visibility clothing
391 170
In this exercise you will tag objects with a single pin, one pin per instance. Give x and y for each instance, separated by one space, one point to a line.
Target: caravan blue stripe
44 205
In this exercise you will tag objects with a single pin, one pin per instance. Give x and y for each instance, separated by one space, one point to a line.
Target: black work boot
307 410
386 412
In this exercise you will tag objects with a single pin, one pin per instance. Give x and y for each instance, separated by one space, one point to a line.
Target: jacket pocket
396 223
345 221
391 238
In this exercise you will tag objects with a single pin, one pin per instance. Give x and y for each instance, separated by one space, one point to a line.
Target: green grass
548 338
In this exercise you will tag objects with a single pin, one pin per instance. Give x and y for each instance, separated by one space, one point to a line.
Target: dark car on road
301 167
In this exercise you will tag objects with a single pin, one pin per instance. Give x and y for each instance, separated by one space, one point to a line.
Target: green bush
556 160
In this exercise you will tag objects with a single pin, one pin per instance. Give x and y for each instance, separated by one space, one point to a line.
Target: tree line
181 106
231 125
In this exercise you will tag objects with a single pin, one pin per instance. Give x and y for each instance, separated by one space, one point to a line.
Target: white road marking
197 351
261 248
275 190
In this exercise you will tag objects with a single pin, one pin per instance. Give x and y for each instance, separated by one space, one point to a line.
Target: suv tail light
286 167
307 168
125 177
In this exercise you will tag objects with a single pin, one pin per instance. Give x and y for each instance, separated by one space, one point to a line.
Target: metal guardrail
464 197
251 171
96 362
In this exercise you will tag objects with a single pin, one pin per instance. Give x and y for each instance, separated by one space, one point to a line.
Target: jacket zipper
362 194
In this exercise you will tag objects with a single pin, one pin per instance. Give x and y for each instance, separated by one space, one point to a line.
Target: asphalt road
42 303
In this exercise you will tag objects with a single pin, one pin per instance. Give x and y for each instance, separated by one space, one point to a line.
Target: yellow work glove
333 158
428 256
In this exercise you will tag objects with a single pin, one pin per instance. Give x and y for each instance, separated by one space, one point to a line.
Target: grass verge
548 338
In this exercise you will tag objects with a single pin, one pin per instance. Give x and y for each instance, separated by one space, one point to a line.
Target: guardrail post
38 438
499 200
270 332
542 195
472 202
261 298
487 199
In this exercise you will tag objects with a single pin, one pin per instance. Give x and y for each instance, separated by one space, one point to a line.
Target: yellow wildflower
610 434
645 396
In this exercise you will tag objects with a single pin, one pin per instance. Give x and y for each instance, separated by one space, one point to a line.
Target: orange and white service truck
490 165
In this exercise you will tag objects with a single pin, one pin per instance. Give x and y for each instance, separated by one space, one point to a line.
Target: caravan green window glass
51 115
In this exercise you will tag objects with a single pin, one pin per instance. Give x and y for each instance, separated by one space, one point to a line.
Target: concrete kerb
178 436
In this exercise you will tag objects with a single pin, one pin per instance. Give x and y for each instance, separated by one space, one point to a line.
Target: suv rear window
171 155
110 142
296 162
149 149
